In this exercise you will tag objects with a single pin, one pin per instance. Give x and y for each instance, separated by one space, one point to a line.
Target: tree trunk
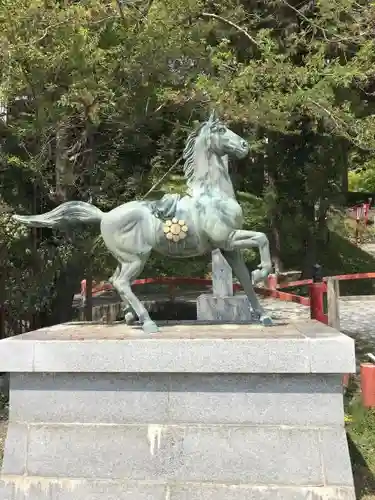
309 240
275 240
322 232
64 173
310 255
3 277
66 285
276 247
88 301
67 282
345 180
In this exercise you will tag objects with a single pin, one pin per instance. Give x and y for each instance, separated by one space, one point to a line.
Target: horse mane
190 168
189 156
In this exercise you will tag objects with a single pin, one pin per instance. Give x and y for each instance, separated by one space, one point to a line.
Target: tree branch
302 16
147 9
66 21
121 11
162 178
336 38
343 128
234 25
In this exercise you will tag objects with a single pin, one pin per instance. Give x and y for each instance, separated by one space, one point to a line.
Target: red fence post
272 281
368 384
317 289
172 291
83 288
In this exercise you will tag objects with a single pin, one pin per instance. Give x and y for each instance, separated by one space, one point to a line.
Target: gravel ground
3 432
357 316
3 426
357 319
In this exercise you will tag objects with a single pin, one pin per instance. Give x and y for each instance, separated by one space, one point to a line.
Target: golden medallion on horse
175 230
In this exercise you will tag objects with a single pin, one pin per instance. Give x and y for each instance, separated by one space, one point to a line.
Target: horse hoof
150 327
255 277
258 275
266 321
129 318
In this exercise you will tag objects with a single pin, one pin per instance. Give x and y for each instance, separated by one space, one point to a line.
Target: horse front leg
237 263
242 239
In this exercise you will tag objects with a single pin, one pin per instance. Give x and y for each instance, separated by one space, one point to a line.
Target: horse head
223 141
206 155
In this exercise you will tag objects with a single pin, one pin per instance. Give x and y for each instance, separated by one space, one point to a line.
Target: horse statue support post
208 218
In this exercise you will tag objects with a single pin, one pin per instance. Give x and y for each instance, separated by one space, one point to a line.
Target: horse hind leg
131 267
115 275
129 313
235 260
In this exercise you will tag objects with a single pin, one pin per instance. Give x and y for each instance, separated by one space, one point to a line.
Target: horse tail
65 214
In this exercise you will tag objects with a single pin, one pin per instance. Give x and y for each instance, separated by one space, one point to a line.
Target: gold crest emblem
175 230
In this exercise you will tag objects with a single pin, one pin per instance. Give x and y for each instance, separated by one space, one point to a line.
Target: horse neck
215 176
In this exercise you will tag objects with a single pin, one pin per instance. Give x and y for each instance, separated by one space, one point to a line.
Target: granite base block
228 309
264 433
77 489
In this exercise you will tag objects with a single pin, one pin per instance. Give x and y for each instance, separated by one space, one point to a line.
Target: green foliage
363 179
360 430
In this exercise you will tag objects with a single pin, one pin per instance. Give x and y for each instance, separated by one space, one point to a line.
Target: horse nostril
244 144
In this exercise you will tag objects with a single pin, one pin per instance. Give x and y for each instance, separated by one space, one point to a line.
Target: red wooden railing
274 290
317 290
315 299
340 277
174 281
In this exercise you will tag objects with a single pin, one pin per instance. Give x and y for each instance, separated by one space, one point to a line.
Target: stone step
279 455
44 488
131 398
195 412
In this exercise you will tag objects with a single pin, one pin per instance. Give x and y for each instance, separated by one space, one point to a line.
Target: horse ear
212 117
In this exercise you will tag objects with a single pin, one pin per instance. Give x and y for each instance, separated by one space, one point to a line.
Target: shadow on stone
173 310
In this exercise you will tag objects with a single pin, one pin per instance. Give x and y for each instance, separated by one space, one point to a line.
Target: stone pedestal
197 412
222 306
226 309
222 277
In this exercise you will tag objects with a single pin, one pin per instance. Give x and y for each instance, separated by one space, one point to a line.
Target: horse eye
221 130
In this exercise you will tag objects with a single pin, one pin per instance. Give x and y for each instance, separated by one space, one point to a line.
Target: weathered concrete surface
222 277
300 347
67 489
197 412
227 309
222 306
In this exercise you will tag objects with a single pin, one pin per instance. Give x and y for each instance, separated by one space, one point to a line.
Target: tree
89 126
362 178
300 83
